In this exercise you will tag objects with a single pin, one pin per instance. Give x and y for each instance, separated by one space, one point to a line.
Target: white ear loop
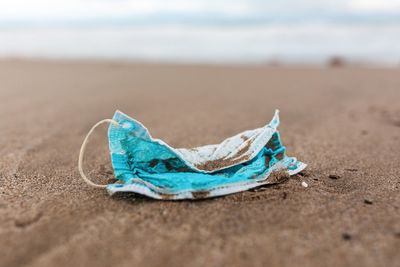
82 151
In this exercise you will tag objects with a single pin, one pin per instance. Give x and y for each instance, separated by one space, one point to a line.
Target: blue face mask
151 167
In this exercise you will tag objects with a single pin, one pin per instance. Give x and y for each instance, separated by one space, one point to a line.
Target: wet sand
344 122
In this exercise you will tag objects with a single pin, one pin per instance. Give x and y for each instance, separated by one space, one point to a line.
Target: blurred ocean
253 36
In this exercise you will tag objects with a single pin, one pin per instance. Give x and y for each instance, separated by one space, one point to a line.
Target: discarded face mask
151 167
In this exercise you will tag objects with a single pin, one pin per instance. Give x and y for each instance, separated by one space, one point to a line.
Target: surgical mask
150 167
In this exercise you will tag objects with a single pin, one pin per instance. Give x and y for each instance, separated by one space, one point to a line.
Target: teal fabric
136 156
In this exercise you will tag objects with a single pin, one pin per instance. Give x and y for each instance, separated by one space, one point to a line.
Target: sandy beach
343 122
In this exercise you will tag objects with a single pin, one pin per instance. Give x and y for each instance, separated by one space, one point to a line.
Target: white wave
255 44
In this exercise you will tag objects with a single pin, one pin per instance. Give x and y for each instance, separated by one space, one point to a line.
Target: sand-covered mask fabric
151 167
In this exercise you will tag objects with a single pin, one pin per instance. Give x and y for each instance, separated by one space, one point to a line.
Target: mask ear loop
82 151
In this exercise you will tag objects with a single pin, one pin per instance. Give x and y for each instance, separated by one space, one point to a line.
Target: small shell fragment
304 184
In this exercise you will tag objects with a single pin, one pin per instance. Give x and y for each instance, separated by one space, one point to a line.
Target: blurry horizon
246 31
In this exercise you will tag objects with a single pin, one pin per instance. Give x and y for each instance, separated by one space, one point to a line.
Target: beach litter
150 167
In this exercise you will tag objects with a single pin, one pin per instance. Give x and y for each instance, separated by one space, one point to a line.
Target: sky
39 10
